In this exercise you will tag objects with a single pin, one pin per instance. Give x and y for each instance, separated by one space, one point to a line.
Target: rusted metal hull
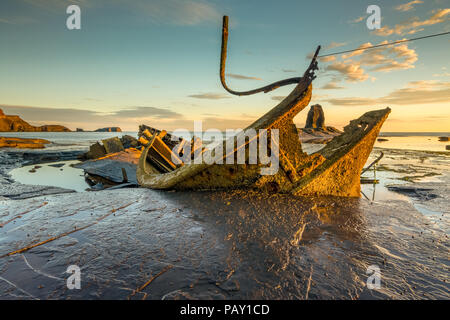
335 170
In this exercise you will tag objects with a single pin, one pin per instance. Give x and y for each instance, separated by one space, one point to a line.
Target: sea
82 140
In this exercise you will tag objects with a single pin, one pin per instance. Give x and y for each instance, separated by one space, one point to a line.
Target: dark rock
333 130
57 165
109 129
99 186
129 142
447 147
113 145
382 139
444 138
30 158
96 151
415 192
316 117
53 128
315 130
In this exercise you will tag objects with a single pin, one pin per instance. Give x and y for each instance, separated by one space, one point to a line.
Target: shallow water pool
58 174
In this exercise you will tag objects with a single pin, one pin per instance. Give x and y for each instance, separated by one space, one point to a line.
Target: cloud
288 70
333 45
415 92
387 59
359 19
420 92
414 24
17 20
30 113
408 6
444 74
352 102
241 77
44 115
128 119
350 70
145 112
315 97
327 59
210 96
332 85
354 66
357 52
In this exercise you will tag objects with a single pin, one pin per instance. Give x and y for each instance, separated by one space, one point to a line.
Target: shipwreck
334 170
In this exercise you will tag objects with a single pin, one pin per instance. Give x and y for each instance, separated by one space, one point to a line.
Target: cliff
109 129
10 123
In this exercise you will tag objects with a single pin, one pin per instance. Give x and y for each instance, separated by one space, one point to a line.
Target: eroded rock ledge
10 123
22 143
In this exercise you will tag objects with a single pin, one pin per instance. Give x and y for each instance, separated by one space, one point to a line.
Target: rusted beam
309 74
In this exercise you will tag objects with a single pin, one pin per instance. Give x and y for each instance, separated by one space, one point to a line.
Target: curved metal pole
308 76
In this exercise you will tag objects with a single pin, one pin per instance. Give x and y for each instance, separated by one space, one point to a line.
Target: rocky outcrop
316 118
109 129
129 142
113 145
21 143
315 130
9 123
95 151
109 146
53 128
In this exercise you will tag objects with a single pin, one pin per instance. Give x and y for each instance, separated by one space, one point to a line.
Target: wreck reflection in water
278 243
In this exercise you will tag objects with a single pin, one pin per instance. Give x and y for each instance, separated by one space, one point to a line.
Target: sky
157 62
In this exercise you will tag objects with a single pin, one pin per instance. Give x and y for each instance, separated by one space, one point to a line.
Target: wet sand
147 244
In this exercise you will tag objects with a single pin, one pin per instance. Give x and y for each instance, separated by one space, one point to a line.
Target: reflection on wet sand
275 241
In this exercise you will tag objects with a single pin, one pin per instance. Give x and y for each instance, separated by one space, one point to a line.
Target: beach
137 243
